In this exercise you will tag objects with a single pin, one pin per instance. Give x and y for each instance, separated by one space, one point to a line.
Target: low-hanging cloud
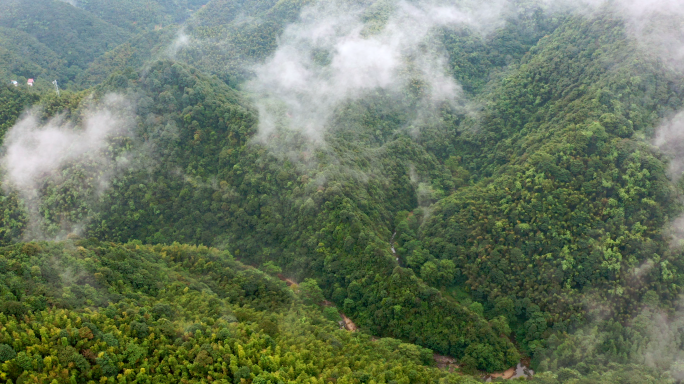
656 25
332 55
670 139
663 349
181 41
35 152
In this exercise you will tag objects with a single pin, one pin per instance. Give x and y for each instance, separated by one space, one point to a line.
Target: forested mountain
183 313
75 37
225 38
25 57
141 15
485 188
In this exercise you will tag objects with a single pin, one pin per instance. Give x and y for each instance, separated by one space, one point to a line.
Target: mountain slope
529 216
266 209
571 199
141 15
132 54
24 57
82 311
75 36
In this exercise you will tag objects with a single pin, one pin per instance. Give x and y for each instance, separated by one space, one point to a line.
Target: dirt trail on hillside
348 323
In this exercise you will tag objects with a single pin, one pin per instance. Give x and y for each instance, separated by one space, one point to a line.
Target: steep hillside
76 37
525 213
572 200
227 37
14 101
200 131
141 15
24 57
82 311
134 53
223 38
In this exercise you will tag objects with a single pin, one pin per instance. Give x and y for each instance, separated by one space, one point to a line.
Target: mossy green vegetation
528 219
82 311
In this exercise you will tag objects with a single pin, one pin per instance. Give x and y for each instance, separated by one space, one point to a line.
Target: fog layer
35 154
338 53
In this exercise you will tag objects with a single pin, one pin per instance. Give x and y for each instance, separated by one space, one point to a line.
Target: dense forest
356 191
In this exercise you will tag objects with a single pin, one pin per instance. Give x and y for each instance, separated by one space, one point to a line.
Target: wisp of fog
34 152
333 54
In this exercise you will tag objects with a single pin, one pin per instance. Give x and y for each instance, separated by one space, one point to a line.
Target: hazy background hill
75 37
141 15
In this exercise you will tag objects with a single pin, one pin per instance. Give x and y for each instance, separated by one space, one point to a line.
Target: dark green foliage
242 373
6 352
13 102
110 340
474 60
311 292
163 310
214 126
139 329
332 314
107 365
25 362
83 365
